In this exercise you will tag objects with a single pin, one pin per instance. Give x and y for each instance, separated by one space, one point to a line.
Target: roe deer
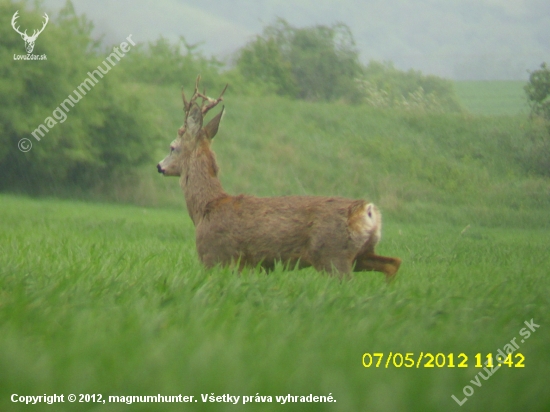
333 234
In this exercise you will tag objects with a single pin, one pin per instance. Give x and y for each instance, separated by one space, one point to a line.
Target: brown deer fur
331 234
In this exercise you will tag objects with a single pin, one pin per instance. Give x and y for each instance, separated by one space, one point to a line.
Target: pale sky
458 39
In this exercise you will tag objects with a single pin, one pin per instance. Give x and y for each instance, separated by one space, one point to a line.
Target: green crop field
493 97
110 299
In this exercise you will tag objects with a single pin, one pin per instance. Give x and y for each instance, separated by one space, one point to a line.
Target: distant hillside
492 97
484 39
411 164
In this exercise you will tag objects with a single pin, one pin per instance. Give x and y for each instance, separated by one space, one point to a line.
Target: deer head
29 40
192 134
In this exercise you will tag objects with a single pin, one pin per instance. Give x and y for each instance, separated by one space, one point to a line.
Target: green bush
538 92
386 86
322 63
108 132
312 63
536 154
164 63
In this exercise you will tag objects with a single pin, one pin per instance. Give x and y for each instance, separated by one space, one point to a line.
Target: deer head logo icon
29 40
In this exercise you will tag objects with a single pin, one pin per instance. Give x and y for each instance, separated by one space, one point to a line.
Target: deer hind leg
340 267
369 261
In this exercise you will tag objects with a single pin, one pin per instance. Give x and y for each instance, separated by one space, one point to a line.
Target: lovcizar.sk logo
29 40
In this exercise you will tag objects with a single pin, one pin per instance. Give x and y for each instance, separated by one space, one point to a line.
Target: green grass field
110 299
492 97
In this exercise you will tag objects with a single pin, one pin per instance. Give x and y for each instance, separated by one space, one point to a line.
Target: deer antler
196 94
37 32
13 19
211 102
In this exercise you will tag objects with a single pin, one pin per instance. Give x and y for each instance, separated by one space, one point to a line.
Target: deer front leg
369 261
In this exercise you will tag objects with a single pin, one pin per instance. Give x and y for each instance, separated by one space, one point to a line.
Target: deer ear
194 120
212 127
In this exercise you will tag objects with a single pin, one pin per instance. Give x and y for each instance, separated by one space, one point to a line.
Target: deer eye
172 148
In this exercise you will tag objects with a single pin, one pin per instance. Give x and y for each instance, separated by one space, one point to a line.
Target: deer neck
200 182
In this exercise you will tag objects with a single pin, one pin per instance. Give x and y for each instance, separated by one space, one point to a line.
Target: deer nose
159 168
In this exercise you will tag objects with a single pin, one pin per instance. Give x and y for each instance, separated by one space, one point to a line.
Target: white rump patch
372 220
